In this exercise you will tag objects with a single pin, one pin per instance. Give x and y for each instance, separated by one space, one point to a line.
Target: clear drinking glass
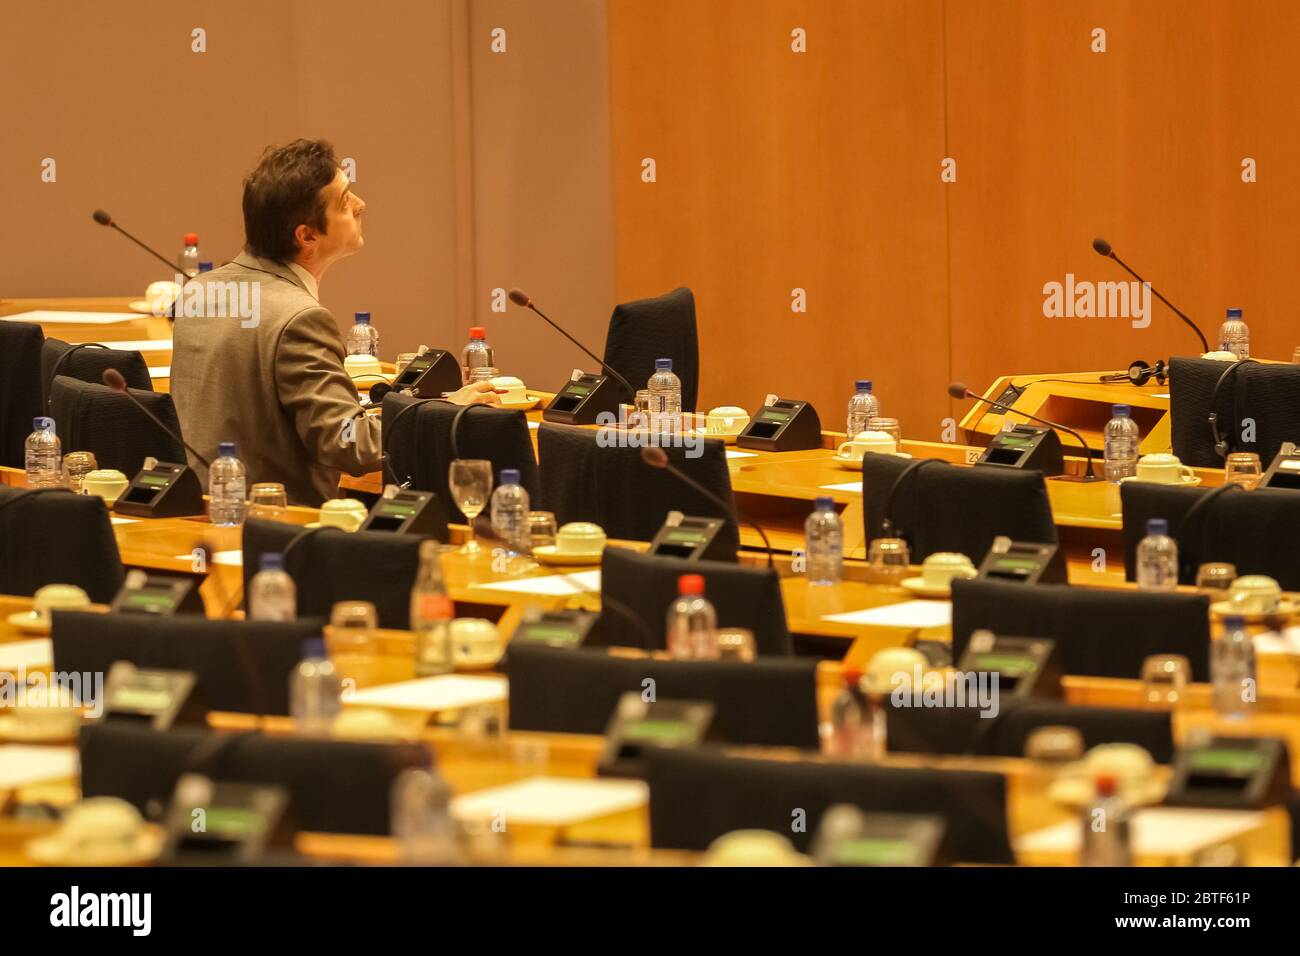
1215 578
1054 744
1243 468
267 500
736 644
76 466
889 426
351 638
641 409
887 561
541 529
1164 679
470 480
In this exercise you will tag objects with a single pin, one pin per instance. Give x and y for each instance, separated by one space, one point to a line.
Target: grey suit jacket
276 386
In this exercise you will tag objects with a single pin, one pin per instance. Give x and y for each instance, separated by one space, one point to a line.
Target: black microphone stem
1087 452
735 512
1205 346
170 265
631 392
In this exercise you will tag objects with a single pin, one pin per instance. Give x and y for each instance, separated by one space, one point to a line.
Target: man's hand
476 393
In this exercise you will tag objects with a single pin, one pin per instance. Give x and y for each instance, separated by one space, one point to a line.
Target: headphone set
1223 439
1139 373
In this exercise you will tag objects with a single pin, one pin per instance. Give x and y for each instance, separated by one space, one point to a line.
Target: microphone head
1102 247
654 456
519 297
103 218
378 391
958 390
114 380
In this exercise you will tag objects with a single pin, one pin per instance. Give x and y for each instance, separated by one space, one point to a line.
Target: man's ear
306 237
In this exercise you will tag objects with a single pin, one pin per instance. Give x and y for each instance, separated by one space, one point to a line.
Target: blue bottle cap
313 647
42 423
226 449
363 317
824 503
863 385
205 266
663 365
1234 313
1234 622
1157 526
272 561
509 476
1120 411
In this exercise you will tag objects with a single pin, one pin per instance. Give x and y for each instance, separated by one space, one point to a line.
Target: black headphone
1223 440
1139 373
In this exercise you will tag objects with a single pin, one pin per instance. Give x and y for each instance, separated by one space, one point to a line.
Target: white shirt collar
308 280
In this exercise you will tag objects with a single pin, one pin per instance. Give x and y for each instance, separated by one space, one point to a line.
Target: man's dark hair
285 191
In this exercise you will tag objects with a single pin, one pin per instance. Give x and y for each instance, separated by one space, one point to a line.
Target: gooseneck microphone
521 298
104 219
114 380
1102 248
959 390
656 457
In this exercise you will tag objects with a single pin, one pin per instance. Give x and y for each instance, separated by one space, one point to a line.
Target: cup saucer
727 438
1188 481
855 464
1285 610
920 588
29 622
527 405
547 554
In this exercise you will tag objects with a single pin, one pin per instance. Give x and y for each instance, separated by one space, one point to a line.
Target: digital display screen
232 822
392 509
768 415
1016 564
1013 665
141 698
1010 441
155 481
417 365
553 633
151 600
685 537
663 732
877 851
1236 762
577 389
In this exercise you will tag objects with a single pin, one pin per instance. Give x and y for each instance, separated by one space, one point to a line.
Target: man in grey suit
271 378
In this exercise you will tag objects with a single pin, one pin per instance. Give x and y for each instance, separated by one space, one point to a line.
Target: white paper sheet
160 371
73 318
138 345
233 558
909 614
116 520
26 655
448 692
554 585
1271 642
21 764
845 486
551 801
1156 831
732 453
532 424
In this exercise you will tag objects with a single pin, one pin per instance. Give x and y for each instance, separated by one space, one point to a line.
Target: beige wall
480 170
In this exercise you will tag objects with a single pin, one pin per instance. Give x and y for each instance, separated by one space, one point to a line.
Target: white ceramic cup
939 569
108 483
514 389
726 420
580 537
345 513
1164 469
474 640
1255 594
865 442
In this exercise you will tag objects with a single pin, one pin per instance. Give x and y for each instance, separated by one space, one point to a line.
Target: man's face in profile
343 209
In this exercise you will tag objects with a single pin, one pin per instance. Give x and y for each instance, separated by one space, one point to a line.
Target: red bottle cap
191 238
852 676
690 584
1105 786
478 332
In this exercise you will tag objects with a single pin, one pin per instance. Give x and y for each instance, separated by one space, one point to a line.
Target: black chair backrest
329 565
335 786
97 419
240 665
87 363
767 702
21 387
649 329
1099 633
945 507
1255 530
961 730
698 795
56 537
646 586
612 486
1269 395
420 445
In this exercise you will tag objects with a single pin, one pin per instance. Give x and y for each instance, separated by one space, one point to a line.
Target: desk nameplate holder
162 489
1284 470
405 511
155 698
567 628
1026 666
583 398
638 724
694 539
157 594
1231 773
782 425
1023 562
1026 447
224 821
430 374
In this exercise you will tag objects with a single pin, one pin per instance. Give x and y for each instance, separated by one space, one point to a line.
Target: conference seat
769 702
961 730
615 488
21 388
1268 394
421 444
335 786
240 666
329 565
1254 530
698 795
87 362
94 418
636 591
52 536
648 329
944 507
1099 632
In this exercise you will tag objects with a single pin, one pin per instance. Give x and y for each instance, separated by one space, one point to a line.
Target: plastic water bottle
1157 558
1107 840
226 487
665 397
853 732
510 513
1121 444
188 260
824 543
692 622
1232 669
271 594
314 690
476 354
1234 335
863 407
431 614
363 339
43 455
